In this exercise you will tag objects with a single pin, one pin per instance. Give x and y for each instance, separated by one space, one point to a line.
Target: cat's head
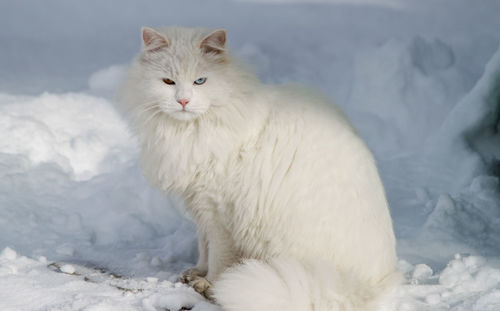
183 70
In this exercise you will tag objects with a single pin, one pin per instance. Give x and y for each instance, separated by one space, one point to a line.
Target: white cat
290 209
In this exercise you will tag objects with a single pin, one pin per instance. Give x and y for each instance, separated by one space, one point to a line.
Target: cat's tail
283 284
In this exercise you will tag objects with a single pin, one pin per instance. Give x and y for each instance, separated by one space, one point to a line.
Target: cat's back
311 115
306 123
311 139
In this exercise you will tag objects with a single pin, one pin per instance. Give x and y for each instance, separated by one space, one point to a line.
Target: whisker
152 116
155 106
141 110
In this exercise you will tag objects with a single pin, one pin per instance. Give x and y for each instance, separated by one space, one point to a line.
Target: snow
31 286
68 269
467 283
420 81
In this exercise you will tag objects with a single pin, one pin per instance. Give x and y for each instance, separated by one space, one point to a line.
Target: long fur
289 205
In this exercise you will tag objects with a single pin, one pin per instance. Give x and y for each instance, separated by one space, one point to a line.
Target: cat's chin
183 115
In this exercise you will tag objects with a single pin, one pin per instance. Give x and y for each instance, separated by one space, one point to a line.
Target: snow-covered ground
419 79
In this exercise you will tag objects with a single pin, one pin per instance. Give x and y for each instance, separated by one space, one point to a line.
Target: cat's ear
152 40
214 42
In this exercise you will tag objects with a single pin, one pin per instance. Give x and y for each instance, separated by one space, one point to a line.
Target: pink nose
183 102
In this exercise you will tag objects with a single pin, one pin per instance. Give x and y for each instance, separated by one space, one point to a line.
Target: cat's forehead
183 56
183 63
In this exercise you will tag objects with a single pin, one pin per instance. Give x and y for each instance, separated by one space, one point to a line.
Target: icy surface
420 81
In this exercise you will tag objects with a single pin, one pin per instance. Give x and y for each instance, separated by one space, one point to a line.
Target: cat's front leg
201 268
221 255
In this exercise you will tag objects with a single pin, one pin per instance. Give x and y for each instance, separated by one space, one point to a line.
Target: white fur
289 205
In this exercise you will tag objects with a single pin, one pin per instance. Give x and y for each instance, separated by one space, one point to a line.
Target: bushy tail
283 284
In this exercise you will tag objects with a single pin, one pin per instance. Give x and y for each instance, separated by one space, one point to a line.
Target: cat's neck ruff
186 149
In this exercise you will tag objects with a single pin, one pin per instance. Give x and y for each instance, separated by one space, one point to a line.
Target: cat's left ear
214 42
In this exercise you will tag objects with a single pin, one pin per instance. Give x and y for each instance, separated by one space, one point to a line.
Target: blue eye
200 81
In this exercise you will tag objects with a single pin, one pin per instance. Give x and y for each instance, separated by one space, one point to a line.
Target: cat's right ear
152 40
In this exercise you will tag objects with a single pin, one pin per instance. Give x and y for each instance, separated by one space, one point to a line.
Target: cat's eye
168 81
200 81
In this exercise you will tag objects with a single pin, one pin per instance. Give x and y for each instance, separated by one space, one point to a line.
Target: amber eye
168 81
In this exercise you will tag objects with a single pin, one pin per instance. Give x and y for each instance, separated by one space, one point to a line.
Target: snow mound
403 91
465 159
80 133
456 177
472 218
467 283
71 187
469 136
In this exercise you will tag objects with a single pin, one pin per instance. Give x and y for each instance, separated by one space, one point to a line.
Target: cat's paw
195 278
202 286
191 275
